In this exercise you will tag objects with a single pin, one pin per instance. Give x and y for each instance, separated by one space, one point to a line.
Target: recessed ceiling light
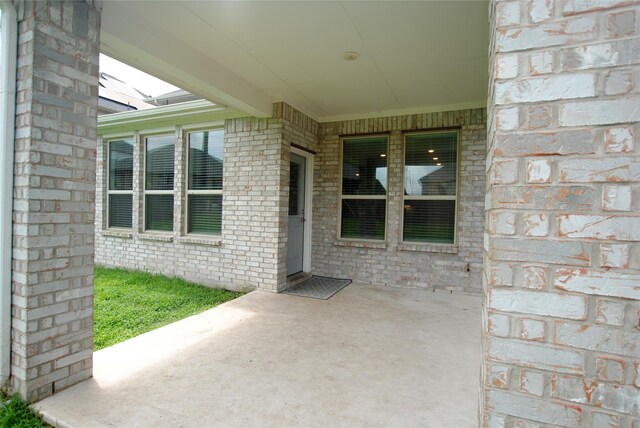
350 56
383 155
438 164
357 175
431 150
435 158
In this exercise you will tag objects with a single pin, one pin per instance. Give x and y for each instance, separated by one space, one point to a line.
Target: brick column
254 200
561 344
52 326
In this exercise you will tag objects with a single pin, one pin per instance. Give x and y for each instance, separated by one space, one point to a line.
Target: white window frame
363 197
146 192
431 197
119 192
199 192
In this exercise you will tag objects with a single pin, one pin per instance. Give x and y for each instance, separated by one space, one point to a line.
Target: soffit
414 56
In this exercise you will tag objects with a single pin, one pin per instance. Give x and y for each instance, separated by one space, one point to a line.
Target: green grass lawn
129 303
15 413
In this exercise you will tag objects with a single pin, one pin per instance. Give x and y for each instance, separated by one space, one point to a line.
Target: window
159 172
364 188
120 179
204 183
430 187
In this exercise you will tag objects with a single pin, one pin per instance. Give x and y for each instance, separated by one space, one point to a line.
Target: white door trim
308 207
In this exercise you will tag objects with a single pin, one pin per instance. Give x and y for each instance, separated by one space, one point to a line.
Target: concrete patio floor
370 356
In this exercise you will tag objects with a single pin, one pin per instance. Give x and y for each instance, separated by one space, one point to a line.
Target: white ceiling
414 56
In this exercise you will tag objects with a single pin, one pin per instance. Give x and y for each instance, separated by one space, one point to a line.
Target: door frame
308 207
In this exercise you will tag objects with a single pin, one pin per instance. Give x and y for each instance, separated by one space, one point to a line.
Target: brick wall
393 262
246 254
562 258
53 232
251 252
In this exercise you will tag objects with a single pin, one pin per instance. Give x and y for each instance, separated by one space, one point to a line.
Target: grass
128 303
15 413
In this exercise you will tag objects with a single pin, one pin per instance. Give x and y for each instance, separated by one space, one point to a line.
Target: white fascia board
199 111
132 39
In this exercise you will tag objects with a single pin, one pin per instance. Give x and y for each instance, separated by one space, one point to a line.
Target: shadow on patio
369 356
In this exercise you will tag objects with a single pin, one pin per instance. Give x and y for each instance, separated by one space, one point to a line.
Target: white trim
191 114
203 126
308 207
342 197
7 124
117 136
434 197
156 113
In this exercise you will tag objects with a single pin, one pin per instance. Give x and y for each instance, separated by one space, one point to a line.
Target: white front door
295 247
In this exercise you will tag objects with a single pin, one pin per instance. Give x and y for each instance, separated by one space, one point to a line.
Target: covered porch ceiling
414 56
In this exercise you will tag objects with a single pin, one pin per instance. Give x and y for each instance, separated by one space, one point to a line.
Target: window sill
117 233
155 237
201 240
428 248
371 245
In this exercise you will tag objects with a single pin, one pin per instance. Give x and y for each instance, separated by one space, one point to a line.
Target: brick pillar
52 326
254 199
562 253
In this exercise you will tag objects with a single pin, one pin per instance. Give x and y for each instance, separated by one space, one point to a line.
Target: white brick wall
562 247
251 252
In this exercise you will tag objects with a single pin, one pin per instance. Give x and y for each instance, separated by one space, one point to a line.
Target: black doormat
318 287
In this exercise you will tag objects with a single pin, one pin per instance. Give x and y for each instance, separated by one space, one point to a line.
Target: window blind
205 214
206 160
364 188
121 165
159 212
430 187
120 183
160 163
120 209
204 182
159 181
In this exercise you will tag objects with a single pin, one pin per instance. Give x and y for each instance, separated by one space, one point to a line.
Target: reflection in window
159 175
120 179
204 184
430 187
364 188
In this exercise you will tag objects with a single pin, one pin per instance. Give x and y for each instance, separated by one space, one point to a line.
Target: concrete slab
370 356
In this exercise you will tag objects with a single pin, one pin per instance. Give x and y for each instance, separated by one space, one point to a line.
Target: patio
369 356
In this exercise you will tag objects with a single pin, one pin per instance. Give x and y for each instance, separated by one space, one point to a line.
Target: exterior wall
53 233
245 255
298 130
562 254
252 249
393 262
